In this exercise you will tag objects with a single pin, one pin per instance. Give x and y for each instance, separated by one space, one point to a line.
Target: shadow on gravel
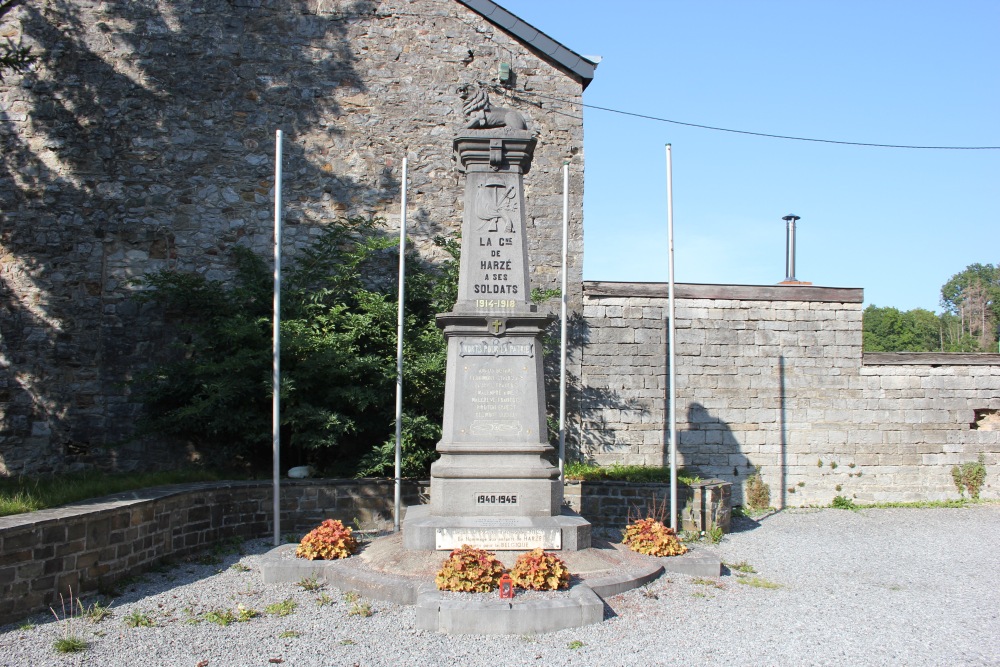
166 574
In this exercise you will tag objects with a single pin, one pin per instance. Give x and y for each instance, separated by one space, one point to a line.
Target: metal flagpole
399 356
276 344
565 297
671 365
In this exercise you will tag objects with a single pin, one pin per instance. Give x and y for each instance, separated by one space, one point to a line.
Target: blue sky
896 222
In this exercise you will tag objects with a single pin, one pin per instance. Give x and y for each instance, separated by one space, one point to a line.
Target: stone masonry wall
611 505
774 377
144 140
43 554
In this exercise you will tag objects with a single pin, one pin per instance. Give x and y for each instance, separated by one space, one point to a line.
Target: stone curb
435 612
498 617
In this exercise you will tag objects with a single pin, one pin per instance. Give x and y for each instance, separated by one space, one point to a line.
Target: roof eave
567 59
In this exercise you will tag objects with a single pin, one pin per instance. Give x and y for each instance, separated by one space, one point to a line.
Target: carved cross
496 324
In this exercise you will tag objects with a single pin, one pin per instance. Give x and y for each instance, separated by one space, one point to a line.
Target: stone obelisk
496 485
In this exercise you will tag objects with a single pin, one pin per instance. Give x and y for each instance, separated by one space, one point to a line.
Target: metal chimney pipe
790 247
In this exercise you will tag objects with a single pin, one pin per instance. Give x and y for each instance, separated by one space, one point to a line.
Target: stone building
144 140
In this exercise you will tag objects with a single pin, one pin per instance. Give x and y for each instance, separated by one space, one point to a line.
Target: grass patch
843 503
928 504
742 567
96 612
289 634
22 494
70 644
283 608
591 472
138 619
757 582
362 609
575 644
702 581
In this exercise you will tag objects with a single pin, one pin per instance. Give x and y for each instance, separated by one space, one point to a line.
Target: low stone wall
86 544
610 504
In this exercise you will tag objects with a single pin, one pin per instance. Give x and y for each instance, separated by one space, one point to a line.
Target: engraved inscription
498 539
495 401
495 498
497 348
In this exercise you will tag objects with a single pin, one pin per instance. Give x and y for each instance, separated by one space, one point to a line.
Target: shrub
970 477
651 537
758 494
540 571
338 340
470 570
328 541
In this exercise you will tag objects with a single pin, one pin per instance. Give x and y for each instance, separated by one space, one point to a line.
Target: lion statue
484 115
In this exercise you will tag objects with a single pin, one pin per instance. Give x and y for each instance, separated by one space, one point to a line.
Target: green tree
338 355
891 330
973 296
13 57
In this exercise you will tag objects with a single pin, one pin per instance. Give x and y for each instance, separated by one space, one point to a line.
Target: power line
766 135
754 134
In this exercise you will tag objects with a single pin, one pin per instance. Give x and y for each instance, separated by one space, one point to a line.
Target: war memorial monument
496 485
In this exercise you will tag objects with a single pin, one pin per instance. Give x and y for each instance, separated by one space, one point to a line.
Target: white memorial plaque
498 539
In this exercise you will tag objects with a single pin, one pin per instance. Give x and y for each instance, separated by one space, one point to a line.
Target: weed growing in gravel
362 609
347 642
24 627
323 600
289 634
311 584
221 617
757 582
351 596
240 567
70 642
702 581
742 566
283 608
843 503
138 619
96 612
715 535
575 644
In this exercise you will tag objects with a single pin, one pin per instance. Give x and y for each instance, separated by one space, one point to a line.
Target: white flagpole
565 297
399 356
671 360
276 344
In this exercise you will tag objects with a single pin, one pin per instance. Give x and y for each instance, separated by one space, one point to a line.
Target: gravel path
873 587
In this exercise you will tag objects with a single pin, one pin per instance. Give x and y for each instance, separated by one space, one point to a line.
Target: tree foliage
891 330
338 355
971 301
13 57
973 297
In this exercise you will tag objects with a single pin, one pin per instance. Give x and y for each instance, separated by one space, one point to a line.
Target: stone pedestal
496 482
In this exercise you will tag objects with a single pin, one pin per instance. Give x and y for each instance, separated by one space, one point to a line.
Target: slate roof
561 56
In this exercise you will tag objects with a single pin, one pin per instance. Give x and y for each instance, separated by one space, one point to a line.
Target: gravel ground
873 587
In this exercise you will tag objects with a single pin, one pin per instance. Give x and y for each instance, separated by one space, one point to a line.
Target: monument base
565 532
